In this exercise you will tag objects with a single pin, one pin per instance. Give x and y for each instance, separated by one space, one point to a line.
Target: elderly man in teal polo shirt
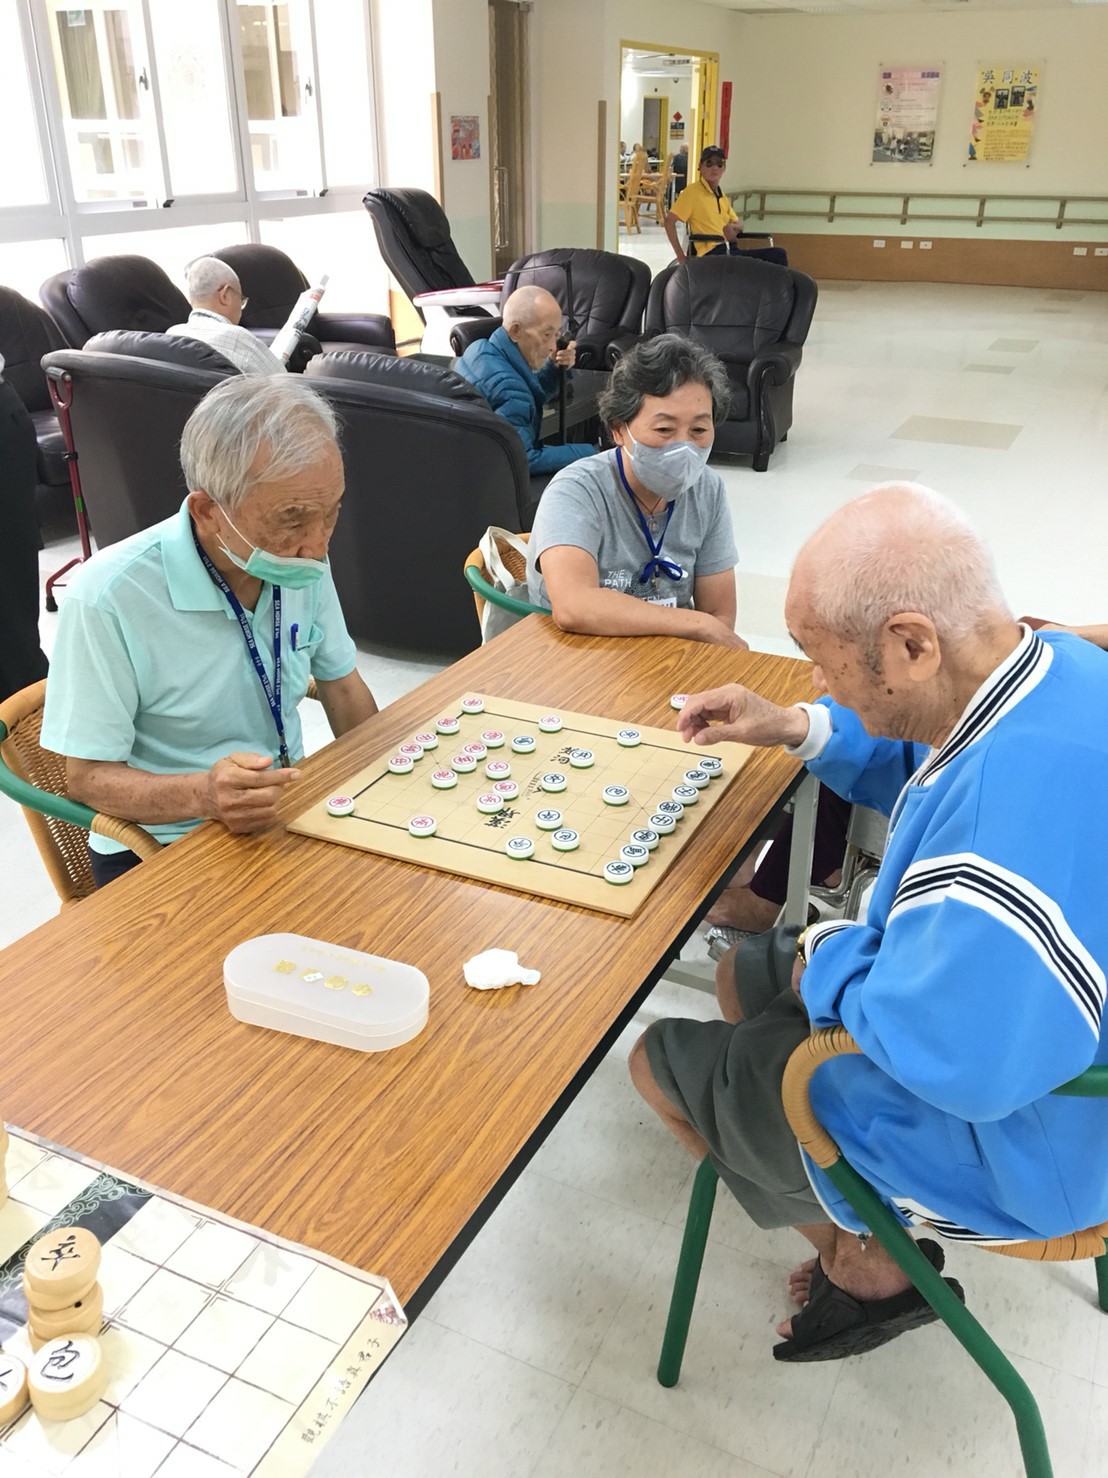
183 651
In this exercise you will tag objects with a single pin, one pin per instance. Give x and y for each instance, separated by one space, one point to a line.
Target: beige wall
462 80
804 111
576 63
424 47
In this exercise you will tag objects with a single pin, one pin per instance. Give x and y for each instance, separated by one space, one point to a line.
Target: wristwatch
800 938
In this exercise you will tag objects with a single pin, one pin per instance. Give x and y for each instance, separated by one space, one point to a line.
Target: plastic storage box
314 989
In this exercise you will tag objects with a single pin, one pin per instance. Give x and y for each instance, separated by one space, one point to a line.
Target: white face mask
670 470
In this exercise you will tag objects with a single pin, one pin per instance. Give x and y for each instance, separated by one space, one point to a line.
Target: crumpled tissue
494 968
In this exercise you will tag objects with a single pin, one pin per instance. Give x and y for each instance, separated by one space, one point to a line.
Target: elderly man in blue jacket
516 370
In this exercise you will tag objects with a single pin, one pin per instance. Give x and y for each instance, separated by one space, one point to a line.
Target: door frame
707 106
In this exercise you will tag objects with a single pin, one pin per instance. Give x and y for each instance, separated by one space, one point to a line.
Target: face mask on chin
671 470
288 571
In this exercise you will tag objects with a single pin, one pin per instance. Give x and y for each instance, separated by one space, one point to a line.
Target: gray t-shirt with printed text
587 506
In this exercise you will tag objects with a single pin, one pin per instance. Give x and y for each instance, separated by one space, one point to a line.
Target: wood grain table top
117 1040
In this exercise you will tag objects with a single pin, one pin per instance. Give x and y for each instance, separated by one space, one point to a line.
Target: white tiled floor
536 1358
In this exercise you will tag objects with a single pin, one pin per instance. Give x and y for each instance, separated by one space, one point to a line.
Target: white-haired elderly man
516 370
217 303
183 651
976 984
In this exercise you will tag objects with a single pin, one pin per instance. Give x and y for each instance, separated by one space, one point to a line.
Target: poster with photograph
907 108
1004 114
465 136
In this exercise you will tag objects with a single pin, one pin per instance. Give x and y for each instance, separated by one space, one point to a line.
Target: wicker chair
1091 1242
35 777
629 193
477 577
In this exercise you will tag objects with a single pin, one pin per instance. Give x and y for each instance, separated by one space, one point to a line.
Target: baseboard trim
949 259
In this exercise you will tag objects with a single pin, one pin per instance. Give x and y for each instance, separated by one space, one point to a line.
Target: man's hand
732 230
566 358
243 791
736 713
798 971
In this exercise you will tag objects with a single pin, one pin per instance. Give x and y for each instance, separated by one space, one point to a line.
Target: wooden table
117 1040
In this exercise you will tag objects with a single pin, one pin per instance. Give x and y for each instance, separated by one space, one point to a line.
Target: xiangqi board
475 789
227 1349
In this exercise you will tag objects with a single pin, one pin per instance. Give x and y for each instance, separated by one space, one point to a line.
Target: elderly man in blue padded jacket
516 370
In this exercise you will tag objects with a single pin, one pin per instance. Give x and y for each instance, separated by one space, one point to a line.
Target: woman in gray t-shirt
637 541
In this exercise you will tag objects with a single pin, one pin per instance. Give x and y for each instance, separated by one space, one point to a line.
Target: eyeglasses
243 299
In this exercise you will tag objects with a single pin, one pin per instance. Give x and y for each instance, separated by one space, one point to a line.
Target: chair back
635 173
413 236
27 332
736 308
271 280
485 592
62 845
113 292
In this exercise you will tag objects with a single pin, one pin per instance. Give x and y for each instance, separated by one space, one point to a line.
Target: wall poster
907 108
465 136
1004 114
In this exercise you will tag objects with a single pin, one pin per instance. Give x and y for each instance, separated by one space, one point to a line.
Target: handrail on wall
904 212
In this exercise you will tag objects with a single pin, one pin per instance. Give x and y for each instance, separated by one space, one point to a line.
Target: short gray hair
658 367
235 422
206 275
523 305
905 548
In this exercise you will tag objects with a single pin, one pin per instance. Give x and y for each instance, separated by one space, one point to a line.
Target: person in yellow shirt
705 209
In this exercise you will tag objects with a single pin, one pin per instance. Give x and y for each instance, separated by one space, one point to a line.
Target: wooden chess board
473 845
228 1349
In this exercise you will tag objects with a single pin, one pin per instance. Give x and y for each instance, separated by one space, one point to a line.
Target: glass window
342 50
171 248
192 82
341 244
22 181
25 265
275 43
105 91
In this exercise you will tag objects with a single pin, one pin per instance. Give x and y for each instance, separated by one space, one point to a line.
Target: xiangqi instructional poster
907 107
1004 114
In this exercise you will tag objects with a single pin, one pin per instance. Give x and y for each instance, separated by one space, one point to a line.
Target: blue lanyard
656 565
272 690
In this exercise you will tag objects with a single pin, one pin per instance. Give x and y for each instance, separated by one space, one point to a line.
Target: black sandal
833 1324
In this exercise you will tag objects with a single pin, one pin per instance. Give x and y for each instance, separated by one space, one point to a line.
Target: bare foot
800 1282
866 1272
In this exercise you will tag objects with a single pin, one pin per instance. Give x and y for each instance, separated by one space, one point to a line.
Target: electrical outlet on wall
906 245
879 243
925 246
1081 251
1100 251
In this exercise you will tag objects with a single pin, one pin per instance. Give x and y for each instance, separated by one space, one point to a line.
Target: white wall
804 107
633 88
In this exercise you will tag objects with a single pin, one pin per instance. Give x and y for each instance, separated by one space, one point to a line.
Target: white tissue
494 968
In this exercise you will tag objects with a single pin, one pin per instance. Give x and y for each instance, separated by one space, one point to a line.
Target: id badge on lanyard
655 565
272 690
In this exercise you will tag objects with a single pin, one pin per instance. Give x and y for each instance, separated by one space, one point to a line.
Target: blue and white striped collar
1017 676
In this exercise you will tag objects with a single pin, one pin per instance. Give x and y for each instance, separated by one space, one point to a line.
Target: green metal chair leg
957 1318
1102 1280
697 1222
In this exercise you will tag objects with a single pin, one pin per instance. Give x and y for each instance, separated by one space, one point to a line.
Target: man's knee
726 994
638 1064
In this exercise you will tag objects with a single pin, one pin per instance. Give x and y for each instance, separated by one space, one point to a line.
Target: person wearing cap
705 210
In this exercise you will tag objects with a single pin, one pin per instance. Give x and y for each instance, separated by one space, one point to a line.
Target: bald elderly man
976 984
516 370
217 302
